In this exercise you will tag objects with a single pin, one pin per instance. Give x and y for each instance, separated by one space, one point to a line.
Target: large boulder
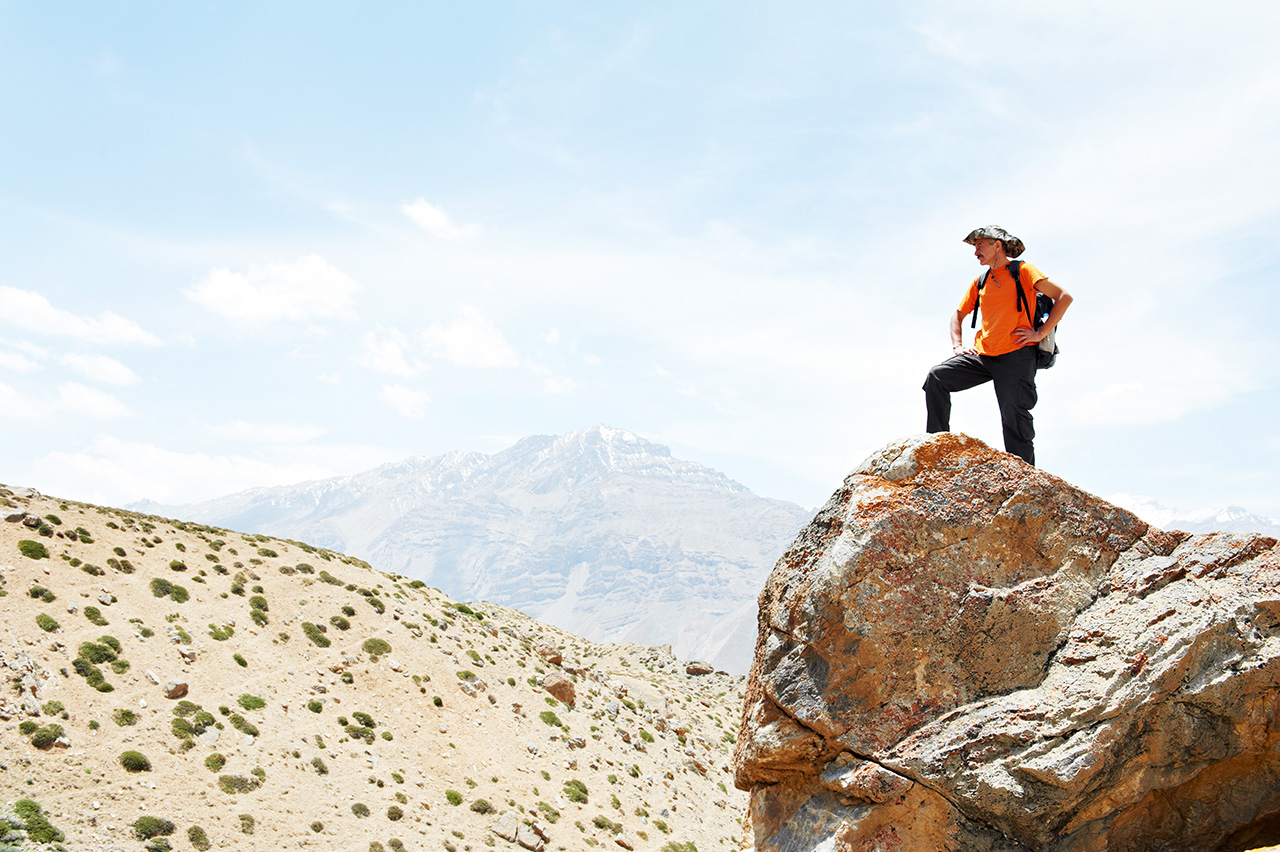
962 651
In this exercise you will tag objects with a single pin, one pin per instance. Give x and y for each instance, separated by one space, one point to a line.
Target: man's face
986 250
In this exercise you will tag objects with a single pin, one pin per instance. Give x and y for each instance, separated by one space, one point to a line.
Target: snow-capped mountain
1225 519
599 532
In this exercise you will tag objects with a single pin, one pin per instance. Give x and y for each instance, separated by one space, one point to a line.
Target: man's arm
1061 301
957 337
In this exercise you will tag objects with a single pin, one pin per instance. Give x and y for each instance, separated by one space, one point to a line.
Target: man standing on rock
1004 349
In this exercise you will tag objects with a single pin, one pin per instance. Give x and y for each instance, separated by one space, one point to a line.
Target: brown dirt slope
356 710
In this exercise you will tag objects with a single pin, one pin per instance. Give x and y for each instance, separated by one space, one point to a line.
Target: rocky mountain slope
215 688
599 532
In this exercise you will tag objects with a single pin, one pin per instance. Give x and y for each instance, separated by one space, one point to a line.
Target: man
1004 349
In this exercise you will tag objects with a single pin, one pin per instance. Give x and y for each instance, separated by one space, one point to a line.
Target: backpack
1047 349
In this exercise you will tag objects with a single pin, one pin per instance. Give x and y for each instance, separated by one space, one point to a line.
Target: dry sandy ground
650 743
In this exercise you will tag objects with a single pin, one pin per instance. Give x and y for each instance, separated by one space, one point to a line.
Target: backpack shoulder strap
977 302
1024 304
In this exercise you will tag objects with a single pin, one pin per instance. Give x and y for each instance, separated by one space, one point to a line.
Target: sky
250 244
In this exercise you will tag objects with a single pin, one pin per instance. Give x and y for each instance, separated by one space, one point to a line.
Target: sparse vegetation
198 839
33 549
35 823
46 622
575 791
453 797
147 827
135 761
316 634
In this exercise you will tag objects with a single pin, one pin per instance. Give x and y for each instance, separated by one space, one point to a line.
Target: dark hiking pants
1014 377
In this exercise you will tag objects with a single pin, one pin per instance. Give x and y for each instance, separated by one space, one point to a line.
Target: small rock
561 688
507 827
698 667
175 689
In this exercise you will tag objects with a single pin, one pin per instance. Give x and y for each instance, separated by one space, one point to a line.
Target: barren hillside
247 692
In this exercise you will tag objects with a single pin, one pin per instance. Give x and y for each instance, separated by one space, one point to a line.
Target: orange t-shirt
1000 314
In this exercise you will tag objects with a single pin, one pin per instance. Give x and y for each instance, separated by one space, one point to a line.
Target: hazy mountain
1225 519
599 532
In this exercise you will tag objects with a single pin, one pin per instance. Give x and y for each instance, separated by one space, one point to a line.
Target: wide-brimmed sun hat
1012 245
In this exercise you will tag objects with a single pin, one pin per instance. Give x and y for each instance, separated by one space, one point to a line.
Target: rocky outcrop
963 652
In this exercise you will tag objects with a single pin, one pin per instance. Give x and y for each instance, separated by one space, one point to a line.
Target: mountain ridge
601 532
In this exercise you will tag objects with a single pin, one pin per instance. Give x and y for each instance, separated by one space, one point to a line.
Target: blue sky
253 244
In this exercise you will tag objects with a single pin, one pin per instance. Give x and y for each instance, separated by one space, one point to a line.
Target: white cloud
435 221
33 312
16 362
407 402
559 384
72 399
113 468
471 340
267 433
333 379
100 368
310 288
388 351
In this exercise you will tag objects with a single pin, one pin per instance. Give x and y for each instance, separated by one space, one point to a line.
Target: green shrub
316 634
453 796
575 791
340 622
259 617
375 648
160 587
267 552
349 611
27 727
215 762
661 826
33 549
240 661
549 812
36 824
437 700
238 784
124 717
607 824
246 823
147 827
482 806
179 594
178 565
221 634
135 761
360 810
251 702
550 718
46 736
95 616
315 705
317 826
319 766
96 653
198 839
54 708
46 622
394 813
679 847
258 602
646 736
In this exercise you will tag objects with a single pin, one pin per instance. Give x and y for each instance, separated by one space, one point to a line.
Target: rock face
963 652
